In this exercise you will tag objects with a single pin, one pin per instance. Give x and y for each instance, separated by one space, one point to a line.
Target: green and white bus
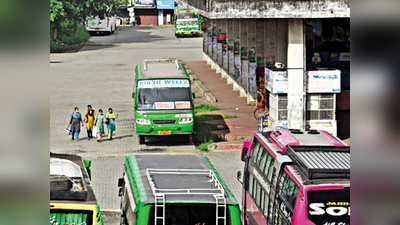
163 99
72 200
186 22
175 189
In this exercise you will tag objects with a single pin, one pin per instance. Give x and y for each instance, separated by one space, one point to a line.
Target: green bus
163 99
175 189
72 200
186 22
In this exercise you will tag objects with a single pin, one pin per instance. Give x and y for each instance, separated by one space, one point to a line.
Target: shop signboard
276 80
323 80
144 3
165 4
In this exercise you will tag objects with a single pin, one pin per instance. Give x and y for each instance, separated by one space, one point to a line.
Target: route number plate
164 132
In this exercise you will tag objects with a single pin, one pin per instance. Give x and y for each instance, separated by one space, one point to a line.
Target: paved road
101 74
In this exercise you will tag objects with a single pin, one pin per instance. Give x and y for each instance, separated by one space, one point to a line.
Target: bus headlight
143 121
185 120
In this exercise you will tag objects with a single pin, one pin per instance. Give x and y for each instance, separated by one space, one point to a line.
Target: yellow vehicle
72 200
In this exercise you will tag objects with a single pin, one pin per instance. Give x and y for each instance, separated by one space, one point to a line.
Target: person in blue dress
75 120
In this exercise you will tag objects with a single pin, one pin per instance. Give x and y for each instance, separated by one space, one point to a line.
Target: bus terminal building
295 53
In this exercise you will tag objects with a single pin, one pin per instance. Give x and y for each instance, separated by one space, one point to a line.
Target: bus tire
141 139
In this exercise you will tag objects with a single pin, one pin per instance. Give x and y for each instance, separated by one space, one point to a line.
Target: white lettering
336 211
317 208
333 210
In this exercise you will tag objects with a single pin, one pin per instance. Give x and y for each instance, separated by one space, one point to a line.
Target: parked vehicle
163 99
72 200
296 177
186 22
175 189
106 25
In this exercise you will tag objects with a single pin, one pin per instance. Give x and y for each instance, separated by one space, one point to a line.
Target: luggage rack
218 192
318 162
147 61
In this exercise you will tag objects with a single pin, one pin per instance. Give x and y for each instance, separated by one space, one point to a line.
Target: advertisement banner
144 3
323 81
165 4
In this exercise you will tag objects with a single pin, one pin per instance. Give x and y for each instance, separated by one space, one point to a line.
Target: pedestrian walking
99 123
90 115
75 120
110 120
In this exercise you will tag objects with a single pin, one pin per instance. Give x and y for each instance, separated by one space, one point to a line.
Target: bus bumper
164 129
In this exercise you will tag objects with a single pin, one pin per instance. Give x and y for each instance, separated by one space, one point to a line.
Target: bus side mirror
239 176
194 96
247 144
120 193
120 182
133 95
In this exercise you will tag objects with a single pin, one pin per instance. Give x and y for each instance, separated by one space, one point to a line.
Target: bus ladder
159 204
220 215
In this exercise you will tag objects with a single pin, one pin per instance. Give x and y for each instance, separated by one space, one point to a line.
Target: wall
220 9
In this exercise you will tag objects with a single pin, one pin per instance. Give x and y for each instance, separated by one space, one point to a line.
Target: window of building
320 107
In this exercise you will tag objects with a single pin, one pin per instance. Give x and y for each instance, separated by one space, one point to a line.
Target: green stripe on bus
135 180
219 178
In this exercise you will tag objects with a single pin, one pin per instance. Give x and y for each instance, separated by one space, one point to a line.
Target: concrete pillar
237 69
231 38
219 44
225 47
244 26
270 40
295 70
209 29
214 42
251 82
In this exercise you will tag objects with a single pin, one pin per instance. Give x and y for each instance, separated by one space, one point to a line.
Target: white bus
107 25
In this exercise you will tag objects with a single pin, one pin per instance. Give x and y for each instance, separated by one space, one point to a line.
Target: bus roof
61 196
319 162
165 174
161 69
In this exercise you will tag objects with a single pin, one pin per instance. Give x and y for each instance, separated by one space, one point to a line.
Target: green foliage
204 146
74 36
205 108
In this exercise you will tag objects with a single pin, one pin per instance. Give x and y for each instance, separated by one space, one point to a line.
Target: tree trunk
55 34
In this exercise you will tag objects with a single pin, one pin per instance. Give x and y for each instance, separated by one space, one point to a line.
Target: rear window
329 206
190 214
76 217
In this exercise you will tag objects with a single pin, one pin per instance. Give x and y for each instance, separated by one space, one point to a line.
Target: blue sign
165 4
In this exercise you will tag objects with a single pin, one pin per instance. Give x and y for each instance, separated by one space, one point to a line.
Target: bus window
267 164
270 170
254 152
251 185
263 160
262 200
260 154
258 194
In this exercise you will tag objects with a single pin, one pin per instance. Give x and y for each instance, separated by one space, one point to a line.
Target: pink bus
296 177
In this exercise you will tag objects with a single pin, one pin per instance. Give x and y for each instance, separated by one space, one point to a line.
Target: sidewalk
245 125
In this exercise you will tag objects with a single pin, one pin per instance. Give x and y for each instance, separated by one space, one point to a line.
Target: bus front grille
164 121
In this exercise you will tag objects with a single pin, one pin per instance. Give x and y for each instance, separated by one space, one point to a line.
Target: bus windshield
164 98
329 206
184 18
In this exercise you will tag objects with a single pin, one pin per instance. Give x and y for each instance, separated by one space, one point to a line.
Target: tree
64 13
